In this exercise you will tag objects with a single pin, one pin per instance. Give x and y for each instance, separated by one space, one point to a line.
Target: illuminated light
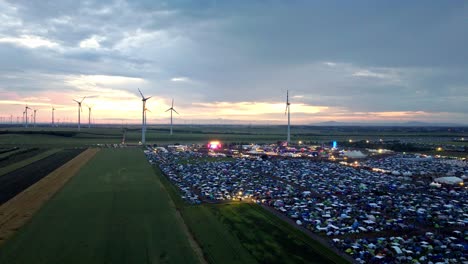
350 141
367 141
334 144
461 184
300 142
380 150
214 145
439 149
240 193
463 139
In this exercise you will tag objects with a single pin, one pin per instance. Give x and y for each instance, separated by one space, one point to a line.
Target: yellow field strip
25 162
17 211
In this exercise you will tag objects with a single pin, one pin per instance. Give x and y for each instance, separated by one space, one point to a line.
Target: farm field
19 155
18 210
24 162
18 180
115 210
246 233
159 134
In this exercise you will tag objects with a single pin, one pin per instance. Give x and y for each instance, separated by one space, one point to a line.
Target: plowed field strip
17 165
19 180
18 210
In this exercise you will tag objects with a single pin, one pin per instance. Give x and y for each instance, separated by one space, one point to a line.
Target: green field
189 134
115 210
246 233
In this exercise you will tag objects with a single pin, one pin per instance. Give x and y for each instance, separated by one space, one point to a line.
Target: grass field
159 134
270 239
113 211
18 210
246 233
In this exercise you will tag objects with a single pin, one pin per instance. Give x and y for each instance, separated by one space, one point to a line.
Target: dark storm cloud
359 55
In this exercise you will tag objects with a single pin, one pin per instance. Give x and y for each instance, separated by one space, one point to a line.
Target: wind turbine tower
53 122
143 119
172 110
26 114
35 110
89 116
288 111
79 111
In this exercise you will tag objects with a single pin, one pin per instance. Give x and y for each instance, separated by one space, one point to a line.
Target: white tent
355 154
449 180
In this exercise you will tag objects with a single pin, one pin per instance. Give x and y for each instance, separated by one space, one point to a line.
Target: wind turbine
89 115
35 110
143 120
26 114
288 111
79 111
53 123
172 110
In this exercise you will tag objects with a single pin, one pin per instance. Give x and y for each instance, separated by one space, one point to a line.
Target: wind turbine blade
168 109
82 99
142 96
76 101
172 105
175 110
147 98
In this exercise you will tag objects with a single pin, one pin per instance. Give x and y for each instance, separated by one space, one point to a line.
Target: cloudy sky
232 61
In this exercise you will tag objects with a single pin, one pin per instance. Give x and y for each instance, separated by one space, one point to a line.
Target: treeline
52 133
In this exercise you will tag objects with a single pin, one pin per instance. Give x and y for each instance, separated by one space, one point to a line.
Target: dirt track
17 211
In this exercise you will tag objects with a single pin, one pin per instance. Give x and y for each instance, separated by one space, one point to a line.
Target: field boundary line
18 211
186 229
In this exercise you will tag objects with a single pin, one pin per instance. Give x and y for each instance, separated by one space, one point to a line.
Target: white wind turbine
35 110
79 111
172 110
288 111
89 115
143 119
26 114
53 122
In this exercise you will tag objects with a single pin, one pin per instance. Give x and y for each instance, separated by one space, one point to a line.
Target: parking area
383 210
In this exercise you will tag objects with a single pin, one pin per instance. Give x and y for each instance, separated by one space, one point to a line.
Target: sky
233 61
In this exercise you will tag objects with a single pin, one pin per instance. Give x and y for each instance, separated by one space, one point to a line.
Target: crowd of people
368 214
